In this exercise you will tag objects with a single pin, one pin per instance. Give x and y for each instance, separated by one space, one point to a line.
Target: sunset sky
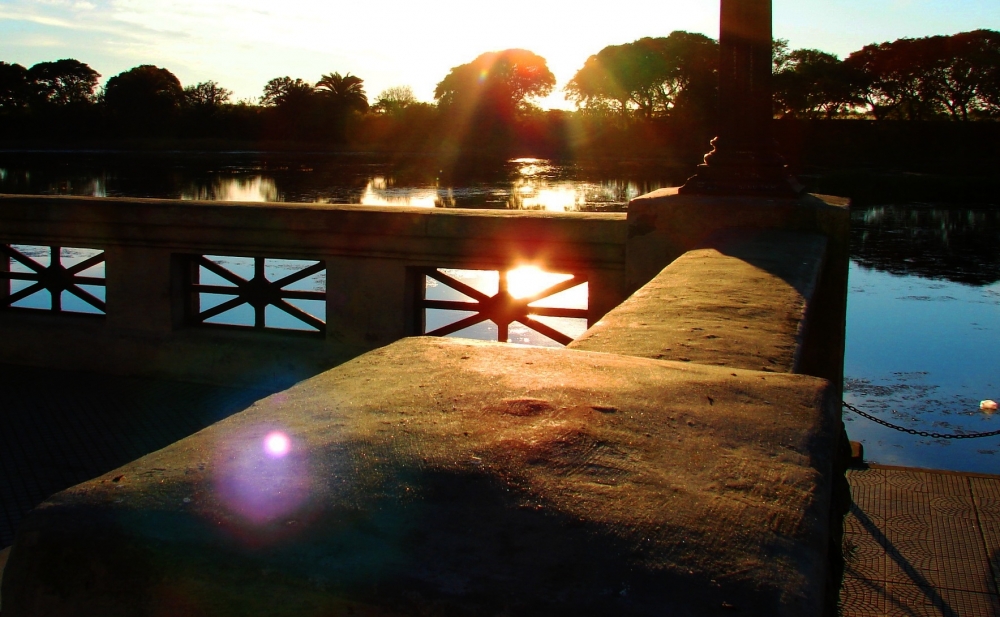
242 44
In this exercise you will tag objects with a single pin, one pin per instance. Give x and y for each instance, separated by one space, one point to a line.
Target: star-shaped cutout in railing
502 309
259 292
55 278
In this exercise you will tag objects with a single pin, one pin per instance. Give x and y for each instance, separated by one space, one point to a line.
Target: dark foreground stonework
457 478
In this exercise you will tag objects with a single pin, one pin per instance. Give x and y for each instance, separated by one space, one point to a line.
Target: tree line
490 102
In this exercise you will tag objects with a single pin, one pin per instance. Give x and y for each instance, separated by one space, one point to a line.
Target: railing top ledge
308 230
7 200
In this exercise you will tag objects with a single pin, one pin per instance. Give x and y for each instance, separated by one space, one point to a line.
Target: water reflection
83 184
921 353
954 244
529 184
249 188
922 330
382 191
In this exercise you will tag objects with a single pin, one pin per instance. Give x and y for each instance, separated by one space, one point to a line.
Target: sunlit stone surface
447 477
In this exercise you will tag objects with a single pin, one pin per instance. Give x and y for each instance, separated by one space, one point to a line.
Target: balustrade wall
270 293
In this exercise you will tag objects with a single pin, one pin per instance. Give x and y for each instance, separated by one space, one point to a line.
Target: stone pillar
744 159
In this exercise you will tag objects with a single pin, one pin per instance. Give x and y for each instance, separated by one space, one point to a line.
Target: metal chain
916 432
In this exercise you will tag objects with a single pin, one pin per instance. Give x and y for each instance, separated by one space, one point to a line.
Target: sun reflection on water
381 191
253 189
562 197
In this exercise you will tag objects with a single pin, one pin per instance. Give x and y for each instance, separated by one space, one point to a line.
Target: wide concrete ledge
739 300
452 477
663 225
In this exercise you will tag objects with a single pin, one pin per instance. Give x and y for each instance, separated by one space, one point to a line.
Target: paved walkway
60 428
922 542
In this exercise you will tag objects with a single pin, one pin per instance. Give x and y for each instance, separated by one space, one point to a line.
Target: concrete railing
371 257
684 449
687 448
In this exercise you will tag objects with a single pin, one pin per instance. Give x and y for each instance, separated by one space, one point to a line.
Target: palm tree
344 92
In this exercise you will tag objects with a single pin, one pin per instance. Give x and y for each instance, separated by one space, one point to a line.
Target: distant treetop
651 76
63 82
145 89
283 91
343 92
502 80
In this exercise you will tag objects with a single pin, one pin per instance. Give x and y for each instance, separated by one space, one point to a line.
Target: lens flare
262 476
277 444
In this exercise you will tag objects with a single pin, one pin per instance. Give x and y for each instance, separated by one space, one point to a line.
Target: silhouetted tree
286 92
989 89
988 72
343 92
694 77
63 82
650 76
500 81
143 101
393 100
292 109
208 113
893 79
955 68
781 55
206 95
919 79
13 86
340 96
622 75
145 89
811 84
481 101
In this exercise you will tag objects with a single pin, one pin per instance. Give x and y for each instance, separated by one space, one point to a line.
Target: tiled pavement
922 543
58 428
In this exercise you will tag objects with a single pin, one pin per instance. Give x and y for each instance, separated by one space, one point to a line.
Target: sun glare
529 280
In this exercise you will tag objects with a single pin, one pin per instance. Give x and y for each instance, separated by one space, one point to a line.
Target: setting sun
525 281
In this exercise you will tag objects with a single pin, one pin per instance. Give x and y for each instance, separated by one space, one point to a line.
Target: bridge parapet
474 478
371 260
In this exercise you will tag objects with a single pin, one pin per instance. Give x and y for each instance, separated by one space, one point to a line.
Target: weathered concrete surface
770 300
664 225
452 477
739 301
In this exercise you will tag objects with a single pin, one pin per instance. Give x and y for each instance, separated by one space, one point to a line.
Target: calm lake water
923 331
529 184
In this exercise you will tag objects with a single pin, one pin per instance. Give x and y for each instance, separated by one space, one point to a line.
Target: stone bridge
684 455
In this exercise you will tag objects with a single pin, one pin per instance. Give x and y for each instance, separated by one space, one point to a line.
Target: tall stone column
744 159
